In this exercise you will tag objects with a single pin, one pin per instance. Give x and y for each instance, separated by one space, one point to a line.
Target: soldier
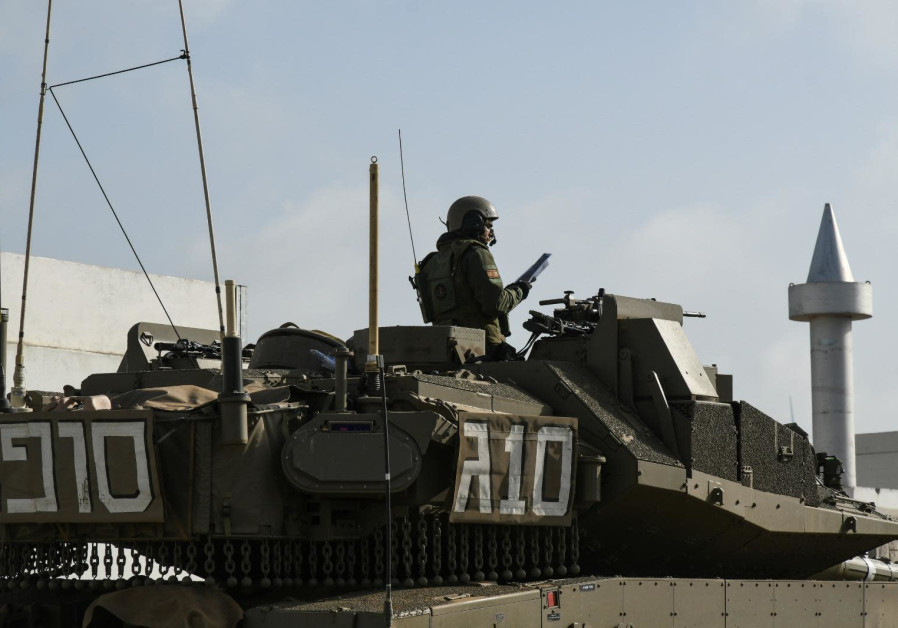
459 283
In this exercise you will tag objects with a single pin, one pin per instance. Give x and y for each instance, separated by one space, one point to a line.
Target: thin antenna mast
405 198
413 280
17 394
199 144
4 322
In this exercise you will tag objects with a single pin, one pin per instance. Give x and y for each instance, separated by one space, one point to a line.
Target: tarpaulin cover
515 469
166 607
189 397
172 398
79 467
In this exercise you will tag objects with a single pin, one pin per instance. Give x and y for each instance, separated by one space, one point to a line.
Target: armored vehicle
611 450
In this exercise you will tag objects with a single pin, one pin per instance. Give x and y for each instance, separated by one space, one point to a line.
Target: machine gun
183 350
578 317
587 310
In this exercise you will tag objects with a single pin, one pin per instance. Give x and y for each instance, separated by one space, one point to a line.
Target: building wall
877 459
877 477
78 315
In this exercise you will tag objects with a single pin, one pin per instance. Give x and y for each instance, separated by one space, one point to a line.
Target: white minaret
830 300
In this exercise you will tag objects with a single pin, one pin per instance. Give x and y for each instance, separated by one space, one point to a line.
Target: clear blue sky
677 150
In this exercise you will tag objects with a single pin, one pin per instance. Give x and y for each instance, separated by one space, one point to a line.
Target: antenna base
17 394
17 398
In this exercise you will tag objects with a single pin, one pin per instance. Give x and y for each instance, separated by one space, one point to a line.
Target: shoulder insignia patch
492 273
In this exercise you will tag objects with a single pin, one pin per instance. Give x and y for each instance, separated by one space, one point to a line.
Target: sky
675 150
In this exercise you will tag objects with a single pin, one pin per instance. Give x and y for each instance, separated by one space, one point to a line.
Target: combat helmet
482 208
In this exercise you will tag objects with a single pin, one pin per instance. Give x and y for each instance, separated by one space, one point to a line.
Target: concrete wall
77 315
877 459
877 478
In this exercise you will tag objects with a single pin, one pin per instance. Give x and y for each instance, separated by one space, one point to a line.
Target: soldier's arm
483 277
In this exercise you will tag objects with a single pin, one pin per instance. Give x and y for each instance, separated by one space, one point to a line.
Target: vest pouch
420 285
437 285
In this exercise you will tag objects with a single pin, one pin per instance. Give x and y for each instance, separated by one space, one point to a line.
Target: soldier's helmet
479 208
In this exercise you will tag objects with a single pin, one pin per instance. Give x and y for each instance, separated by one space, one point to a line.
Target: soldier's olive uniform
462 286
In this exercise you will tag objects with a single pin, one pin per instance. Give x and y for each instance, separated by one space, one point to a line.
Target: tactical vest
436 283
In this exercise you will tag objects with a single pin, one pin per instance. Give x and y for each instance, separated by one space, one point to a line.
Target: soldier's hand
504 352
524 286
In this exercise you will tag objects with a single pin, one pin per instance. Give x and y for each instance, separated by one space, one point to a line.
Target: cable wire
112 209
137 67
388 542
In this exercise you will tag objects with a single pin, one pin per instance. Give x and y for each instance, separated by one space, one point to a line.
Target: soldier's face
488 236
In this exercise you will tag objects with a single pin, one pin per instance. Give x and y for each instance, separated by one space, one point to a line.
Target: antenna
4 321
376 378
405 198
199 145
412 280
17 394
